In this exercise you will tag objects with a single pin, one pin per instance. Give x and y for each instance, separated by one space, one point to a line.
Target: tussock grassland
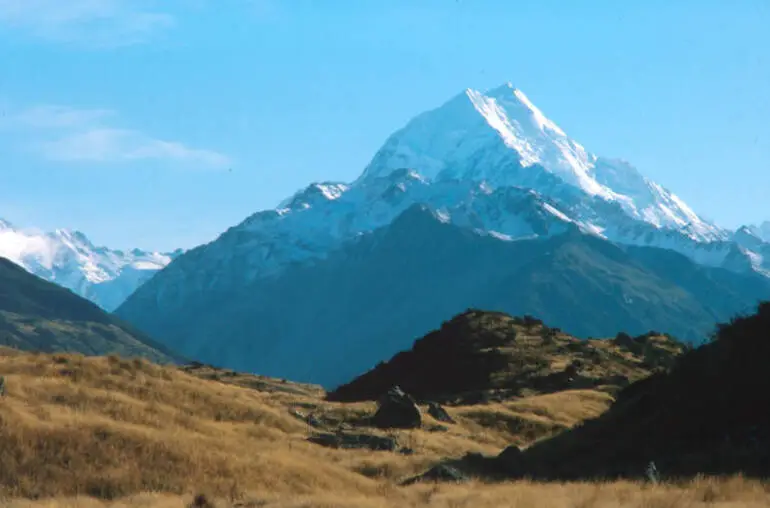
104 431
701 493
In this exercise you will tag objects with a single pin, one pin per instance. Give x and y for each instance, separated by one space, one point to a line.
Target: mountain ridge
481 356
68 258
326 321
493 167
37 315
319 218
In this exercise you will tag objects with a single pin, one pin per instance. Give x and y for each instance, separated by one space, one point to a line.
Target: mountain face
761 231
495 171
106 277
503 139
36 315
329 321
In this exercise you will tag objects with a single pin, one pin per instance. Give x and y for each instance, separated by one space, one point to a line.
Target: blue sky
158 124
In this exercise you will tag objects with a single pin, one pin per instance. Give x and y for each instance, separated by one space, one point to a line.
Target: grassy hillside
36 315
78 431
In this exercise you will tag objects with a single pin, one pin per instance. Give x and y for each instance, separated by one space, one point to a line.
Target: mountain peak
500 137
513 98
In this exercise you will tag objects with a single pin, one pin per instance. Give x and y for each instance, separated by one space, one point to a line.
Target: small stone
439 473
352 441
439 413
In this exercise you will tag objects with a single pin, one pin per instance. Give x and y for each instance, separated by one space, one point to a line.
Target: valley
108 431
273 254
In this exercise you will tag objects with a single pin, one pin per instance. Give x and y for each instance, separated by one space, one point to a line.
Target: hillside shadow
706 415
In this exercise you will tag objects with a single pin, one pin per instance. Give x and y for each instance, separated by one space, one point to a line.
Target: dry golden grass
701 493
104 431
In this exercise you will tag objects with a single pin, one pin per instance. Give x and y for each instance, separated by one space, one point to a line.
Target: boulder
439 413
439 473
397 410
353 441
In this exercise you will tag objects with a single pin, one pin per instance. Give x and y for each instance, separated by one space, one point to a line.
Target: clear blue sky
159 124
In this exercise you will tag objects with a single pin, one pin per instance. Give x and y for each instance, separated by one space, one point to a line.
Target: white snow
489 162
500 137
501 236
557 213
69 259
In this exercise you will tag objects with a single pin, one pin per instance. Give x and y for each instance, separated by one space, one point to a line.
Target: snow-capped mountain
67 258
482 201
490 162
501 138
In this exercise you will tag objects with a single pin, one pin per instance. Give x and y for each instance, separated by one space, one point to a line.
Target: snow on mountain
502 138
761 231
492 163
69 259
316 221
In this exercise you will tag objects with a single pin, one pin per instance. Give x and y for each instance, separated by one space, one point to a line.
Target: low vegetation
80 431
37 315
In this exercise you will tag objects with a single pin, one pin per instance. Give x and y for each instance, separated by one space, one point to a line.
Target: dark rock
397 410
438 428
573 369
2 386
406 451
439 473
310 419
201 501
355 441
439 413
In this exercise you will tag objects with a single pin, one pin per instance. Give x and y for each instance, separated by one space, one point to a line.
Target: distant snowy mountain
489 166
761 231
489 162
67 258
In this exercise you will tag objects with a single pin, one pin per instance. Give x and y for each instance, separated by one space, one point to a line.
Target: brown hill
134 434
482 356
37 315
109 427
707 415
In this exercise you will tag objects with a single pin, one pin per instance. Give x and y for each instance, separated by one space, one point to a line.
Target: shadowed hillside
331 320
482 356
36 315
707 415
